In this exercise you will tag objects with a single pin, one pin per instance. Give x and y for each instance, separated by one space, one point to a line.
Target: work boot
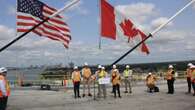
83 95
90 95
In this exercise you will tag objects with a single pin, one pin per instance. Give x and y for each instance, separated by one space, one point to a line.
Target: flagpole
100 38
21 36
155 31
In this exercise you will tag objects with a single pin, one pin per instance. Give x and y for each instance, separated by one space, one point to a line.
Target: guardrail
59 80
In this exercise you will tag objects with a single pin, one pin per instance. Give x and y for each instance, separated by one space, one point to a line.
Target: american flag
32 12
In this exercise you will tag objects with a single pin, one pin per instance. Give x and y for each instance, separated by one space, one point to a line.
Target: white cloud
139 12
79 8
11 10
169 36
159 21
6 33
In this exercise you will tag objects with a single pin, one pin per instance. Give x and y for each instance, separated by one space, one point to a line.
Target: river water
25 74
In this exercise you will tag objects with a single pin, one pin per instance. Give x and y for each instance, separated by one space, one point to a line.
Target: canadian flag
114 24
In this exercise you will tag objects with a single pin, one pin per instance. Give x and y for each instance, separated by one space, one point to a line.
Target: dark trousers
76 89
3 103
151 89
193 85
116 88
189 84
170 84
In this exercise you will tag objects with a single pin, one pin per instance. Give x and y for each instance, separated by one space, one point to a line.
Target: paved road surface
139 100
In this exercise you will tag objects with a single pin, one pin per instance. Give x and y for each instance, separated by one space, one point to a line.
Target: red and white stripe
55 28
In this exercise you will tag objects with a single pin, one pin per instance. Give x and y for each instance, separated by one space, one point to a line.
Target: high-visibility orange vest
151 80
3 79
6 85
76 76
169 75
86 72
115 78
189 73
193 76
8 88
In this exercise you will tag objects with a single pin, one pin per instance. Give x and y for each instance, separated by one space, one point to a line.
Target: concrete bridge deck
139 100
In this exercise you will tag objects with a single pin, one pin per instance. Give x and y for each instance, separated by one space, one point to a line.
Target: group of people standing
100 74
127 76
190 76
170 77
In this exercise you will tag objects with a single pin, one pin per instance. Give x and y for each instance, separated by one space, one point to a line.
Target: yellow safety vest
126 73
8 88
193 76
102 74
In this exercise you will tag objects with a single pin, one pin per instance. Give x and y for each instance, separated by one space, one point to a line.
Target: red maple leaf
128 29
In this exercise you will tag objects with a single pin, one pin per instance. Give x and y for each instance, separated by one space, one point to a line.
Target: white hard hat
150 73
170 66
86 64
103 68
76 67
3 70
99 66
114 66
190 64
127 66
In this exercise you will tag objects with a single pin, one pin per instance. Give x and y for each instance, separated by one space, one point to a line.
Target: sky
175 42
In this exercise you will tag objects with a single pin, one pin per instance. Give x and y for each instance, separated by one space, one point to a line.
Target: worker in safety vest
193 77
188 76
113 69
4 89
86 73
116 81
170 79
128 76
150 82
101 87
76 78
